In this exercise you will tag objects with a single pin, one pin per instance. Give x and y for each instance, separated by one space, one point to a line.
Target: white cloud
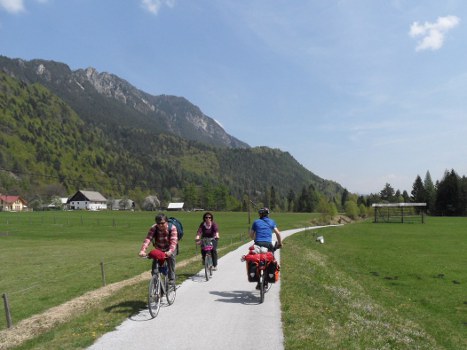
432 34
154 6
12 6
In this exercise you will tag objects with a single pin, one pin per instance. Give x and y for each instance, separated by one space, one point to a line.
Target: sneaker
214 268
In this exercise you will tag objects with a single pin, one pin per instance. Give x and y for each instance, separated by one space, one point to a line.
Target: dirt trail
41 323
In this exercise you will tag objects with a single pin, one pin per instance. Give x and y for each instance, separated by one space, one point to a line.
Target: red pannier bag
273 272
252 260
157 254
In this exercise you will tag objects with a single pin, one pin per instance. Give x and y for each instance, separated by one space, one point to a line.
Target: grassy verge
377 286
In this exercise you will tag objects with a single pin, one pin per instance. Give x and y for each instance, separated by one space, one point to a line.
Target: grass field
377 286
47 258
370 286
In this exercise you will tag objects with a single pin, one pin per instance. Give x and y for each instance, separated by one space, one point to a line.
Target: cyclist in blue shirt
262 229
261 233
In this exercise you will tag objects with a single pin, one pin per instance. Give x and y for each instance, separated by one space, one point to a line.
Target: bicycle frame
261 271
207 247
159 286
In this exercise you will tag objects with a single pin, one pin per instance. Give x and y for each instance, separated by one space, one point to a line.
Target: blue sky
362 92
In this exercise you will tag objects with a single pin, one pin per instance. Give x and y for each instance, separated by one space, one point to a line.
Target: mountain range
84 129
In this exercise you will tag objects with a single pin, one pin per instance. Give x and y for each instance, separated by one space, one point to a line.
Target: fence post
103 273
9 322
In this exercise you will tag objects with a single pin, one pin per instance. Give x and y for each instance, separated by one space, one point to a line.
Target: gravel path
221 313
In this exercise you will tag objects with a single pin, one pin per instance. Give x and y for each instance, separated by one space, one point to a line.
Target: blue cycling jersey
264 228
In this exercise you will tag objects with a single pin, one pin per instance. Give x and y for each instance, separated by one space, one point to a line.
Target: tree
56 202
290 200
362 211
190 196
387 193
463 195
344 198
273 201
430 192
151 203
138 197
418 191
308 199
125 203
447 199
405 196
221 195
351 209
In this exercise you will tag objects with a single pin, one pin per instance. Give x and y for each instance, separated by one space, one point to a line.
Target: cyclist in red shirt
162 240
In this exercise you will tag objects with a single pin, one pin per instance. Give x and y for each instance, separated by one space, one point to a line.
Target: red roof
11 199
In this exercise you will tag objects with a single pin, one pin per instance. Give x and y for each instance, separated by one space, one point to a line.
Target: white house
175 206
88 200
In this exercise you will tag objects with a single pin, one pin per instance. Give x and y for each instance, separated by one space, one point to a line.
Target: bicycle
262 261
207 246
160 285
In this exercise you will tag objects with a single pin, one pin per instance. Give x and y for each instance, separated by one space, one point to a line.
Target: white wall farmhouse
87 200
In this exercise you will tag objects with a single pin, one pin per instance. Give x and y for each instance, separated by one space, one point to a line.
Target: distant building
59 204
88 200
175 206
12 203
123 204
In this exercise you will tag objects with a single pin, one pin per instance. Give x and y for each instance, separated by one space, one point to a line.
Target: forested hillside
47 149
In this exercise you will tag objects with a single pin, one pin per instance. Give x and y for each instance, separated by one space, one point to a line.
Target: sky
361 92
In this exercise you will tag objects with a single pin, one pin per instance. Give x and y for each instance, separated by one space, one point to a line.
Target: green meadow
369 286
47 258
377 286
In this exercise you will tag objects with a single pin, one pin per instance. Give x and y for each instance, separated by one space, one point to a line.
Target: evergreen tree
273 202
447 198
344 197
406 196
463 195
387 193
290 200
418 191
430 192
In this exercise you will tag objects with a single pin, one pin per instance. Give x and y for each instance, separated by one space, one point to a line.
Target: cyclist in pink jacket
209 229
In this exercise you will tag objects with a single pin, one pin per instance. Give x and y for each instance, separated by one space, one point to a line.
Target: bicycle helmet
263 212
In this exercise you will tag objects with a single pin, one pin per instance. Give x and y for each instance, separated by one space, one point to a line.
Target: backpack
179 226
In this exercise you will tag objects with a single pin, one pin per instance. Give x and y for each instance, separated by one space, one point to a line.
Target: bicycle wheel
154 295
171 291
206 267
261 287
209 258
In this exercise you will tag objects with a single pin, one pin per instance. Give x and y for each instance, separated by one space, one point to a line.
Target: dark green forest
47 149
